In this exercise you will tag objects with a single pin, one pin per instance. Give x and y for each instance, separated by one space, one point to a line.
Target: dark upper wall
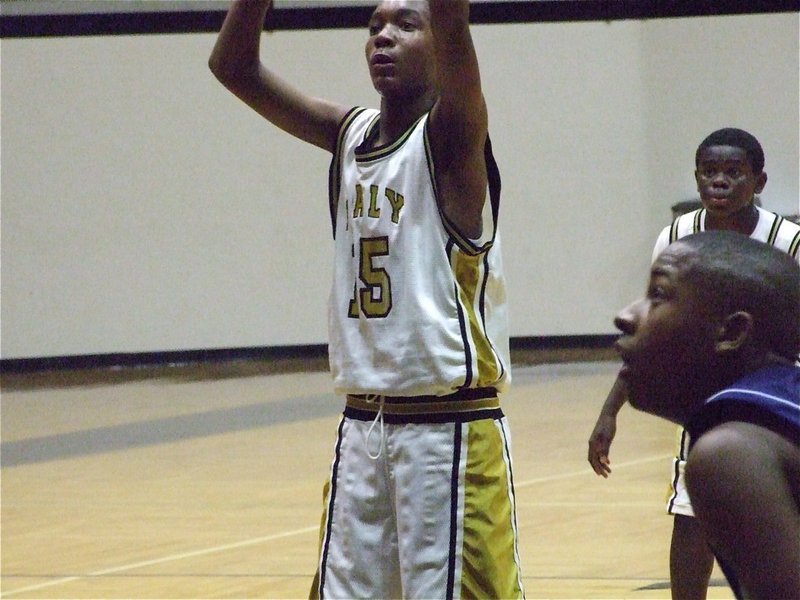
22 18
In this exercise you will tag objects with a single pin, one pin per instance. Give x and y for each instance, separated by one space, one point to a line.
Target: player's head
729 170
737 138
717 305
399 49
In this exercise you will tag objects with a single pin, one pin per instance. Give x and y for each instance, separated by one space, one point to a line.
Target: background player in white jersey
729 170
711 347
420 502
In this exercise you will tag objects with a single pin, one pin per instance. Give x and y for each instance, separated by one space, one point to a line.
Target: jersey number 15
375 296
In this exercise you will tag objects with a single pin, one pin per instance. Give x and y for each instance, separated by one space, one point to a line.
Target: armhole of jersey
775 237
335 168
673 230
464 243
493 173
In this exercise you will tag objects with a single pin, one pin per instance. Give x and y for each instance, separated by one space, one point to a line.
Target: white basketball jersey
771 229
415 308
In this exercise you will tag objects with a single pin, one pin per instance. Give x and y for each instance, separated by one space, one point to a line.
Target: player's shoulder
733 452
356 126
358 115
731 444
789 227
778 231
773 217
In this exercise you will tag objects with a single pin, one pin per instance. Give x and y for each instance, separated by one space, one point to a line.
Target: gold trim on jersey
421 408
363 156
699 221
773 231
794 246
467 245
335 170
470 276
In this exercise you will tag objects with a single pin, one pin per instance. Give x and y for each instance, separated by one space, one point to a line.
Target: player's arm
744 483
235 61
458 122
606 428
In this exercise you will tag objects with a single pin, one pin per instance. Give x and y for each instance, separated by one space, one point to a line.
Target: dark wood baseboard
196 365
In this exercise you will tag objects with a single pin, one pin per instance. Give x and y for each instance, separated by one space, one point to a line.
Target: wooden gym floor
206 482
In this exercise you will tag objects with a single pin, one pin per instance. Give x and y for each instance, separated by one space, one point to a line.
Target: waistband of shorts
462 401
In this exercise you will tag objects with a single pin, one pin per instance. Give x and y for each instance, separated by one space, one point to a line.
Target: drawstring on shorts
378 418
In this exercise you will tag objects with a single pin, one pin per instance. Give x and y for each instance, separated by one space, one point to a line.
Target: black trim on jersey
371 130
494 185
452 231
673 230
699 220
482 310
482 296
365 152
358 414
335 168
463 242
675 478
466 246
331 504
684 449
794 245
462 324
454 496
456 396
676 472
773 231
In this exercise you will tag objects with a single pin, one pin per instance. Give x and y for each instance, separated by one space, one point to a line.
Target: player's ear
734 331
761 181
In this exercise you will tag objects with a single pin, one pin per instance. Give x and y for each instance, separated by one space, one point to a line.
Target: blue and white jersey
769 397
415 307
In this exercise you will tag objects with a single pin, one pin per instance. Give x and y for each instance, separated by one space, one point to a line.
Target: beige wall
145 209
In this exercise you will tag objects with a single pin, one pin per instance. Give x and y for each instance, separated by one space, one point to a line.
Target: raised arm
235 61
458 121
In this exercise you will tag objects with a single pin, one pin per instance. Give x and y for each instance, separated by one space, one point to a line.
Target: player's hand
600 444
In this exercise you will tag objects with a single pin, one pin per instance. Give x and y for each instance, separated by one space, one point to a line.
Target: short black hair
738 138
736 272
